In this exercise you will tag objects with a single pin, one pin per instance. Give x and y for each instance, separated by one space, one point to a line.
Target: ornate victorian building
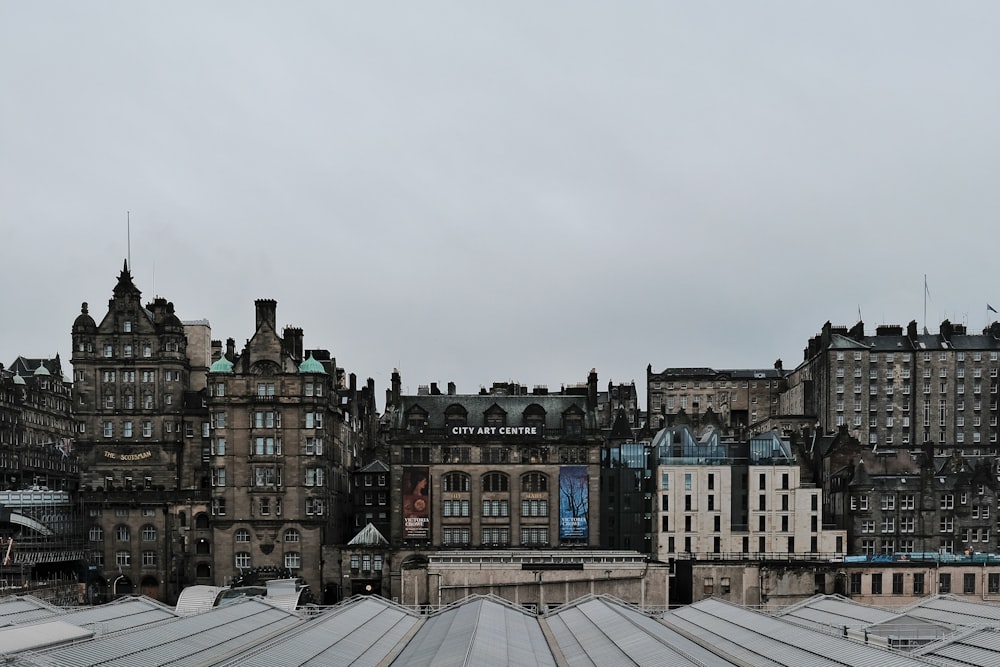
40 473
499 469
283 434
140 439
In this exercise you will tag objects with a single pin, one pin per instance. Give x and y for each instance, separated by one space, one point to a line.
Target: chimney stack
266 313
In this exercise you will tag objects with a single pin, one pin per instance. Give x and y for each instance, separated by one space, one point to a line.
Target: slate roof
435 405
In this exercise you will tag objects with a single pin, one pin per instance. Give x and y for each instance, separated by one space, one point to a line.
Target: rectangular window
877 584
944 583
897 583
314 477
855 583
918 583
969 583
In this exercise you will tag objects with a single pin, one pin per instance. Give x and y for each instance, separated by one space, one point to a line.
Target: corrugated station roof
24 609
201 639
486 630
122 614
755 638
951 610
40 635
600 631
481 630
834 611
972 646
197 599
363 631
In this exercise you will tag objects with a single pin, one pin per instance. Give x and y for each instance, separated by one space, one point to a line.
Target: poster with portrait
574 502
416 503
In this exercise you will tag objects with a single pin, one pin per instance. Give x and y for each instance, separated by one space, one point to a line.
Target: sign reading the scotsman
494 430
574 502
416 503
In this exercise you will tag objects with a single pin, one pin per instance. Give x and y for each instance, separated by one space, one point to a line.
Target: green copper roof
310 365
223 365
18 379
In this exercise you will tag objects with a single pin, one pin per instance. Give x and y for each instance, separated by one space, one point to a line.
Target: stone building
740 398
37 432
906 501
902 387
140 440
502 468
283 435
39 475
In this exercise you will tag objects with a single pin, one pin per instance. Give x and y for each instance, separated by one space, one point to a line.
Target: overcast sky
478 192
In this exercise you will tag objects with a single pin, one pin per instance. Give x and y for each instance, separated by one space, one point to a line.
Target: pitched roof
369 536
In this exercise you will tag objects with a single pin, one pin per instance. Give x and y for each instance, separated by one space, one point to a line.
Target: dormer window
456 415
127 326
495 416
534 415
416 420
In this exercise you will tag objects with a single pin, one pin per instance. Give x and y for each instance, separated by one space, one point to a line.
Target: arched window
242 535
456 482
122 533
496 482
291 535
149 533
203 571
201 521
535 481
203 546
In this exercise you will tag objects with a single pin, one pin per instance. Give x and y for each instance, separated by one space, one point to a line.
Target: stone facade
900 388
503 468
278 454
739 398
139 442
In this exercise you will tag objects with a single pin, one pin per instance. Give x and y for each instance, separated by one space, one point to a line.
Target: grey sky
503 191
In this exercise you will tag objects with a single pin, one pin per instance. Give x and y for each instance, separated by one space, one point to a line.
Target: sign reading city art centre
494 430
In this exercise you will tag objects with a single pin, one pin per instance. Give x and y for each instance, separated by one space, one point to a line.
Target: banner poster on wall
574 502
416 503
